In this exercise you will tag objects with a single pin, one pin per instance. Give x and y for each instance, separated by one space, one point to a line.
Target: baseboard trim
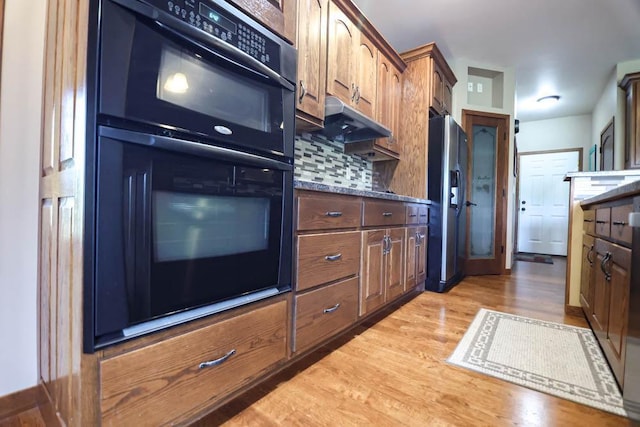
572 310
22 400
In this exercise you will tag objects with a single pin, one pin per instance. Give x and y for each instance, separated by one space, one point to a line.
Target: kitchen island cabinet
610 288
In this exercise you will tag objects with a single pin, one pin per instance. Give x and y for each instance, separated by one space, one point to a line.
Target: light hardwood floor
392 371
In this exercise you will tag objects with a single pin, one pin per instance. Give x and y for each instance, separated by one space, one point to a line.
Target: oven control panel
224 25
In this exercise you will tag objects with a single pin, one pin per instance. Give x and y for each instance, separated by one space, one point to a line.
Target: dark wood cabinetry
631 85
606 278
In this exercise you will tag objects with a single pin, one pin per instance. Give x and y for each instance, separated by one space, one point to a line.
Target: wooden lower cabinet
382 269
174 380
416 256
611 302
605 279
323 312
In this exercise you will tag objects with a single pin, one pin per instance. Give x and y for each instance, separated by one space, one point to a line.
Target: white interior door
544 202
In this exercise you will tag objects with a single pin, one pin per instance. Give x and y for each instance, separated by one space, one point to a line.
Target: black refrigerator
446 187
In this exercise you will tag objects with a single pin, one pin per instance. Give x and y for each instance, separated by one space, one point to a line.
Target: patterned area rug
545 259
561 360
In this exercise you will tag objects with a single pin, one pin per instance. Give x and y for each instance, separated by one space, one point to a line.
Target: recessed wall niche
485 87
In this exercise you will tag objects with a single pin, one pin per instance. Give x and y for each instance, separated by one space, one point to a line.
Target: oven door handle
194 148
180 28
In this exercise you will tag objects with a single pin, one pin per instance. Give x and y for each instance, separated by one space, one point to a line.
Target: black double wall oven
192 171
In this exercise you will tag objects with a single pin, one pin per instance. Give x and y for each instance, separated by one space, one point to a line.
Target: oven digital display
217 18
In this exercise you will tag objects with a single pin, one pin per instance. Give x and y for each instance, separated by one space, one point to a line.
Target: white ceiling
564 47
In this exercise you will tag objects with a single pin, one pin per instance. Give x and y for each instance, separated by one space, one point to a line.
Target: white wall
557 134
20 115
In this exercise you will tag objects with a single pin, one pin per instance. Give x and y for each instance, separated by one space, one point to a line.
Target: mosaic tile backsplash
323 161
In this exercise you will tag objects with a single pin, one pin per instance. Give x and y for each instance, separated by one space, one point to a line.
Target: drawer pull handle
412 215
334 214
601 222
588 220
335 257
619 223
217 362
387 214
332 309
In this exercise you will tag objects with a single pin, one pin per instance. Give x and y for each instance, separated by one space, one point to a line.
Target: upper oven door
159 70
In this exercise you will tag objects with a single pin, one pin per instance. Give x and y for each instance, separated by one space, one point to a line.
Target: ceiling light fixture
549 100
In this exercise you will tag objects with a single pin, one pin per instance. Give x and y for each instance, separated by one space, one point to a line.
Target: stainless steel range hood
345 124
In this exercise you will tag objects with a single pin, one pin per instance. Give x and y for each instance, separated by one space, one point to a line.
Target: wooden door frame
504 160
516 220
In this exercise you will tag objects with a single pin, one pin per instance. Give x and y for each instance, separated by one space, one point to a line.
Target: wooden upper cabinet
352 62
388 102
312 61
366 79
278 15
340 55
631 85
447 97
437 88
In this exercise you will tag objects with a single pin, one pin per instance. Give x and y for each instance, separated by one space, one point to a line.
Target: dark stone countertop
631 189
316 186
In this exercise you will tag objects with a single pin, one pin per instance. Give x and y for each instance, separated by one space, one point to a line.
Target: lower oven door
176 231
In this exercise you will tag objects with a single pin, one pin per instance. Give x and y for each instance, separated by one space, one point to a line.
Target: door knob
524 202
523 209
468 203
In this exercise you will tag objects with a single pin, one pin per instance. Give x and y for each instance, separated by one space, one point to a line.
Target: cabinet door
340 55
366 77
395 263
447 97
411 259
278 15
312 57
437 83
388 102
372 277
617 274
587 275
421 255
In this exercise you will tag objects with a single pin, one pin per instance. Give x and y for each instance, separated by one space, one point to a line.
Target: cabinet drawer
589 222
327 257
620 229
318 213
383 213
325 311
165 382
603 222
423 214
412 215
